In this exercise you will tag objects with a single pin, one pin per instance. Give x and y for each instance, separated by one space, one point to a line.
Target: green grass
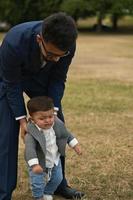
99 97
99 113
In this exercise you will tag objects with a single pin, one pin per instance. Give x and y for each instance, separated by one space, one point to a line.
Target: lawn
98 108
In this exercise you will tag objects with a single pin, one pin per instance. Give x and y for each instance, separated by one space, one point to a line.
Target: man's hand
23 127
37 169
77 149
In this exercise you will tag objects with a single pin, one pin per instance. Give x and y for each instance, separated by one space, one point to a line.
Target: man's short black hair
40 103
60 29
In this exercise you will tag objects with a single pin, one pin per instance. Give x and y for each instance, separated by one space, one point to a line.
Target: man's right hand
23 127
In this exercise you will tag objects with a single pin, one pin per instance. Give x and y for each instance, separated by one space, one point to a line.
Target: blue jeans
39 186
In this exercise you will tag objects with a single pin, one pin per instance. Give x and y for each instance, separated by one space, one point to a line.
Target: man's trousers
9 130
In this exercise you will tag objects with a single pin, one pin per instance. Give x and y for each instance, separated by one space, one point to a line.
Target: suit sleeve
11 75
58 78
30 150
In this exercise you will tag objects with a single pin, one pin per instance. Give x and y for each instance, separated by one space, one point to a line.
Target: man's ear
38 38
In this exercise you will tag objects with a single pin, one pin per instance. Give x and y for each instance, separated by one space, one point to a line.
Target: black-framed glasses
50 54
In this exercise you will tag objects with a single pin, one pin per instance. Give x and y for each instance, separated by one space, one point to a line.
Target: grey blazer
35 143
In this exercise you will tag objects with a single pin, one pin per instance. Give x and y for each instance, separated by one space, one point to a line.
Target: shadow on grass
123 30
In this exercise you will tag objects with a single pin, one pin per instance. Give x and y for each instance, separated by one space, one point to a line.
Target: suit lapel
34 56
38 136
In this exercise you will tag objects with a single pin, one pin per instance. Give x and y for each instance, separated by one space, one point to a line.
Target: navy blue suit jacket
20 66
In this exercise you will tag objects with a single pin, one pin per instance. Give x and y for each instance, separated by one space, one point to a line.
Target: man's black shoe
70 193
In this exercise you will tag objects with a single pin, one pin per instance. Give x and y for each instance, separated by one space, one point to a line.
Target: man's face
43 119
49 51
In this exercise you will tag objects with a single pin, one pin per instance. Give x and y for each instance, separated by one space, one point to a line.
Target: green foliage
77 8
101 5
15 12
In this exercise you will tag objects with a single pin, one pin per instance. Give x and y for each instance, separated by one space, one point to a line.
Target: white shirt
52 154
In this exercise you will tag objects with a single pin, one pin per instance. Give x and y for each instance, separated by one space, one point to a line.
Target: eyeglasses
50 54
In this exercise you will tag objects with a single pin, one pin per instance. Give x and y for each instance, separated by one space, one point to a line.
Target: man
34 58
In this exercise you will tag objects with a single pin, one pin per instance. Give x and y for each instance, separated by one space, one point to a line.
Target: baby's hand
77 149
37 169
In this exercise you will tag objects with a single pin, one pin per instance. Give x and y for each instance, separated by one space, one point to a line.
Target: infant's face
44 119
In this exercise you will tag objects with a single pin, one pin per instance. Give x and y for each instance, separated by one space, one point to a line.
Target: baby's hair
40 103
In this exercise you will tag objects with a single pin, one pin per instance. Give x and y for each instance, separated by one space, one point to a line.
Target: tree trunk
114 20
99 22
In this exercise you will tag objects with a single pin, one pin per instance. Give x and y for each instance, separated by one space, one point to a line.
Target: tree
118 9
15 11
116 13
100 8
76 8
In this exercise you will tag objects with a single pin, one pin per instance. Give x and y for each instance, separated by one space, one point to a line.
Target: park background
98 100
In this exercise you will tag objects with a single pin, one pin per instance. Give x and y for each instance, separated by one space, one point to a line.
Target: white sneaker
47 197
